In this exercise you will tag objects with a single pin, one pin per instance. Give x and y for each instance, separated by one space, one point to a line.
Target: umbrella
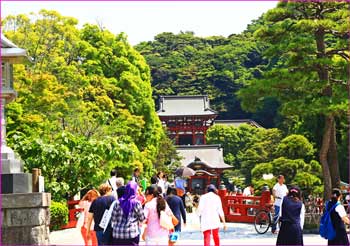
185 171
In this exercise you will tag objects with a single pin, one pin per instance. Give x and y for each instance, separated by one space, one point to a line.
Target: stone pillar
25 218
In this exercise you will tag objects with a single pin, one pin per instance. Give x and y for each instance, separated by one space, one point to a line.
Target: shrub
58 215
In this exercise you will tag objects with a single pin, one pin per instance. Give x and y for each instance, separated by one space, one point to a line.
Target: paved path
236 234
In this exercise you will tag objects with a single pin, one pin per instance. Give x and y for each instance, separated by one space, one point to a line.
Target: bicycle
263 220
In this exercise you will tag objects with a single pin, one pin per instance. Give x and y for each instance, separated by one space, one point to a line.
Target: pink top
153 229
86 206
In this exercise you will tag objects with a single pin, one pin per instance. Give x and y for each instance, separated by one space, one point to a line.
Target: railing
313 210
73 211
243 208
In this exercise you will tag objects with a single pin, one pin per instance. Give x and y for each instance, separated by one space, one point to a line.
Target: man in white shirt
210 212
112 182
279 191
248 191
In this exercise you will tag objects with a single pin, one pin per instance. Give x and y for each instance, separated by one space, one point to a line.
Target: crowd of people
122 214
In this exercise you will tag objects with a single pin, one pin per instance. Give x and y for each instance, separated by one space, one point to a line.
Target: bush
58 215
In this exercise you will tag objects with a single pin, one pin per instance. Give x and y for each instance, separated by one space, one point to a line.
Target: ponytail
161 204
156 191
336 193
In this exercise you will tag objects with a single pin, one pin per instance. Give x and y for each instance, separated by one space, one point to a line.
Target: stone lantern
13 178
25 215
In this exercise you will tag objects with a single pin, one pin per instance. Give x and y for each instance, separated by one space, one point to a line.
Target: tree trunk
327 181
333 157
327 138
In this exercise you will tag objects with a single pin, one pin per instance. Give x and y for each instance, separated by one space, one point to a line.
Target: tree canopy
307 45
88 97
184 64
84 103
254 152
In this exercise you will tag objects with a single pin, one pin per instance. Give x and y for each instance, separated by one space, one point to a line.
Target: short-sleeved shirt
280 192
112 181
180 183
161 184
153 229
98 208
86 206
126 227
210 210
247 192
341 211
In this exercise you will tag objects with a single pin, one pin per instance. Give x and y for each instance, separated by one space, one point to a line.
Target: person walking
112 182
279 191
161 182
292 215
154 234
339 218
120 187
136 176
85 203
210 212
177 207
126 216
96 211
166 183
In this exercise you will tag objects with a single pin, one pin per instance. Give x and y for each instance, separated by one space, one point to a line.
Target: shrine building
187 119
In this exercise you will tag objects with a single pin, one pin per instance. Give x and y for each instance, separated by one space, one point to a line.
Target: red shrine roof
209 155
185 106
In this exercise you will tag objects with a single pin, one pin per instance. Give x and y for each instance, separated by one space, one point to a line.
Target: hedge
58 215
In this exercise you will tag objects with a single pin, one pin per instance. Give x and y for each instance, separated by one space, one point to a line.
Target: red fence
243 208
73 211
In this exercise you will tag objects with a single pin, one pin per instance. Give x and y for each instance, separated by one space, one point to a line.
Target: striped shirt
126 227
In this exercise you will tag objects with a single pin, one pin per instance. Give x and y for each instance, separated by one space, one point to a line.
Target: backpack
327 230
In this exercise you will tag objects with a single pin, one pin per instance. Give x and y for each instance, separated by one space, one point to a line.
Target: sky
141 20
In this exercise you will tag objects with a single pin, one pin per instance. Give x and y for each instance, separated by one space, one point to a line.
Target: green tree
308 43
167 159
184 64
295 147
70 163
91 86
245 146
306 175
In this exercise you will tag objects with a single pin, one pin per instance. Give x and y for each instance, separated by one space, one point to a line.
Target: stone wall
25 218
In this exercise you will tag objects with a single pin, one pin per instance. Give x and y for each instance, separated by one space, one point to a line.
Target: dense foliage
288 68
309 41
254 152
184 64
58 215
84 103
